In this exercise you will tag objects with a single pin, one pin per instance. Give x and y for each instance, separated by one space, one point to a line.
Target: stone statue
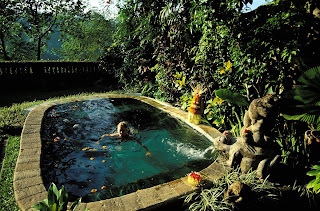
255 148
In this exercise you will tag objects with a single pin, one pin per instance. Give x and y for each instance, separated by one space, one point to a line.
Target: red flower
108 2
195 176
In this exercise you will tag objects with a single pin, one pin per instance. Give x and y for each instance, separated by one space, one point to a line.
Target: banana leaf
235 98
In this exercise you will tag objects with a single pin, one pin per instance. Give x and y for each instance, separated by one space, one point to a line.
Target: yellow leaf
228 65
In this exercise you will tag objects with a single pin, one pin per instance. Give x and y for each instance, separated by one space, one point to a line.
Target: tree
12 32
87 38
41 16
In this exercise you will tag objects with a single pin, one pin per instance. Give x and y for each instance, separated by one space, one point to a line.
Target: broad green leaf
52 198
63 198
292 117
75 204
231 97
38 206
53 207
317 167
313 173
270 90
312 183
316 188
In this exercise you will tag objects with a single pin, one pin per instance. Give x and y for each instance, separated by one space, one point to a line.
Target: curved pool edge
28 185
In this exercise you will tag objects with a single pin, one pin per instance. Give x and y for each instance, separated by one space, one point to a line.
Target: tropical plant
212 42
215 112
315 183
290 140
57 200
185 101
234 98
236 123
149 89
307 99
213 198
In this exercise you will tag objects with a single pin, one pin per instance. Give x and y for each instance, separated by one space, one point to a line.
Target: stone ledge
29 189
22 175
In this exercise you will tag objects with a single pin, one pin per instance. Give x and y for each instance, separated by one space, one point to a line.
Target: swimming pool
95 171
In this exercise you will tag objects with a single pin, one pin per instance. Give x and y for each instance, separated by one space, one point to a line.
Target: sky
101 5
255 3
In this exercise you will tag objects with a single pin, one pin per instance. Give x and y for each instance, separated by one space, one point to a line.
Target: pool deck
28 184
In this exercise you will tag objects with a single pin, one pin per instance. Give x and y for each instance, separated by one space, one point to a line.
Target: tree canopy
26 26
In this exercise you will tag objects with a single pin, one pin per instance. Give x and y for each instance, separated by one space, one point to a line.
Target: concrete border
28 184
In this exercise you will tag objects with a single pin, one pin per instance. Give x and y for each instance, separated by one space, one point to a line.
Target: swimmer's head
122 129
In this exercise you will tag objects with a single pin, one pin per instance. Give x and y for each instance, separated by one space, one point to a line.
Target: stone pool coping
28 185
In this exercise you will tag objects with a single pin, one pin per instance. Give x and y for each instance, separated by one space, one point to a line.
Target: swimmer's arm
105 135
144 146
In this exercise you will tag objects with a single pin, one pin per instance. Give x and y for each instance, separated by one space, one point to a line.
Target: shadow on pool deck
28 184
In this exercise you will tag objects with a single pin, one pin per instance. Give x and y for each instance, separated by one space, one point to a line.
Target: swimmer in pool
122 133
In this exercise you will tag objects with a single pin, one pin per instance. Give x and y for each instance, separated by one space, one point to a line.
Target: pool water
73 157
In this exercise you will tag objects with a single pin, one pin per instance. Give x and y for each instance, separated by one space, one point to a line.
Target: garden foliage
165 46
315 183
162 48
57 200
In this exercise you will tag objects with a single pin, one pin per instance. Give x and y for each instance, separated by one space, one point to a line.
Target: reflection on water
72 156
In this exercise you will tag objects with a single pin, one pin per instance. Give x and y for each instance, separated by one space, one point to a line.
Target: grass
7 201
213 198
11 123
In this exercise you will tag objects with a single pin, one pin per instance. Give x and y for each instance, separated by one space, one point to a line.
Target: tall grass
290 138
213 198
236 124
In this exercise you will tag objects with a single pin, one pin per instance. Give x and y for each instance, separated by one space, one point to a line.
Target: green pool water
71 155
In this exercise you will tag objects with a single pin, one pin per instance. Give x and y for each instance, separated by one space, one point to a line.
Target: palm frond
307 96
311 77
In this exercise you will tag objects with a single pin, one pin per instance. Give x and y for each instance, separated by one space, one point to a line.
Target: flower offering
194 178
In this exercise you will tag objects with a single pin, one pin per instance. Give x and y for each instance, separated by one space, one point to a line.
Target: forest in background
51 30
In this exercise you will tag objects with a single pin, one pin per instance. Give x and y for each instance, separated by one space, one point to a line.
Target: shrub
57 200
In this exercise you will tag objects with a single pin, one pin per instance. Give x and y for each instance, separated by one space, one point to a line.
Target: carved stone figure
238 192
255 147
